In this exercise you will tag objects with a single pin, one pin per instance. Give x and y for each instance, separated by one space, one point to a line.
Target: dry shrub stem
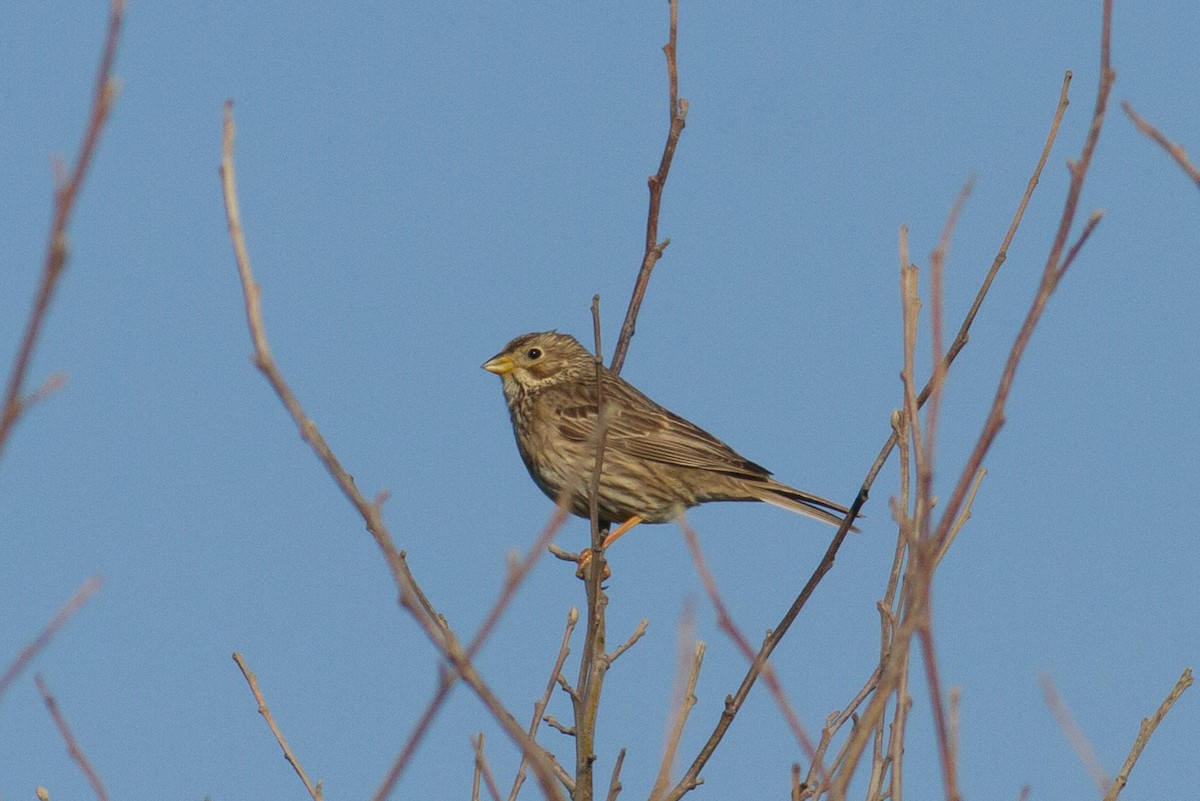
539 708
411 597
1109 787
314 790
726 623
67 611
924 551
1173 149
678 108
482 767
594 661
1145 731
104 94
1075 736
684 701
447 679
69 738
614 783
690 779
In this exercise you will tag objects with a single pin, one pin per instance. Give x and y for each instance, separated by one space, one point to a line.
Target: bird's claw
585 559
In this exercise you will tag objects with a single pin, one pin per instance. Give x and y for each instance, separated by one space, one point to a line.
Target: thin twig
685 700
447 680
690 779
916 595
937 273
1144 733
104 94
638 633
1173 149
917 603
72 744
1052 274
65 612
482 767
411 596
1075 736
592 662
555 724
963 517
314 790
726 623
614 783
539 708
656 182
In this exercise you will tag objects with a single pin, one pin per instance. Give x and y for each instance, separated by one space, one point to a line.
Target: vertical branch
937 265
72 744
683 699
656 182
104 94
1053 272
592 664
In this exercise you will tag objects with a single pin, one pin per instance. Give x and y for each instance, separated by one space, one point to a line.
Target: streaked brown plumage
655 465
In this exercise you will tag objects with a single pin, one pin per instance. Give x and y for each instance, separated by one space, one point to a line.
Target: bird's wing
640 428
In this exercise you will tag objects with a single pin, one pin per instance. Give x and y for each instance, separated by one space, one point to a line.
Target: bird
655 463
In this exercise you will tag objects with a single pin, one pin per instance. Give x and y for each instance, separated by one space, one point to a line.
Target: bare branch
482 767
1075 736
1144 733
638 633
691 778
654 248
553 723
539 708
1051 274
104 94
726 623
72 744
67 611
614 784
685 699
314 790
1174 150
592 663
412 597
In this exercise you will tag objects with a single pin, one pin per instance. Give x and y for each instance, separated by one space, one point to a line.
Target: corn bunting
655 463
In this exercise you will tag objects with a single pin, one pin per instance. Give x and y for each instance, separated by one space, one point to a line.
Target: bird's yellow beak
499 365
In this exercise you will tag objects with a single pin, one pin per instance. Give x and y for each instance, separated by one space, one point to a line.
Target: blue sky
422 182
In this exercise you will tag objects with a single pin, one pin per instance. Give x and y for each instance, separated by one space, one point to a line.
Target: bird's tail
785 497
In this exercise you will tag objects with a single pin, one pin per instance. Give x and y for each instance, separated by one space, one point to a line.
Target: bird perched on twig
655 463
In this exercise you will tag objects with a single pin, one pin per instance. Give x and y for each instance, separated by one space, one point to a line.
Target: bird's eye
534 353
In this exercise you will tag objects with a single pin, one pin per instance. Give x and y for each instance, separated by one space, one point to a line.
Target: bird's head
535 361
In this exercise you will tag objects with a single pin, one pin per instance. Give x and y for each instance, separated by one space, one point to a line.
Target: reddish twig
1075 736
1173 149
72 744
448 679
67 611
738 698
1053 272
104 93
726 623
654 248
